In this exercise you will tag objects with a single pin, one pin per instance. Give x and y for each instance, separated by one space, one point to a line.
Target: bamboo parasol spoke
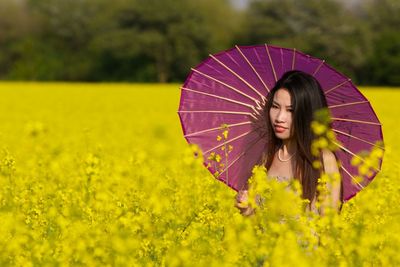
228 141
353 154
358 121
352 177
237 75
216 111
219 97
337 86
348 104
252 67
270 61
319 66
217 128
241 154
358 138
293 58
225 84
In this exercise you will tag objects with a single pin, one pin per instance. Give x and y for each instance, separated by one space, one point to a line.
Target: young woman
289 111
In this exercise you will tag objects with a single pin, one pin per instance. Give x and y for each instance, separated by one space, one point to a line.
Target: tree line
160 40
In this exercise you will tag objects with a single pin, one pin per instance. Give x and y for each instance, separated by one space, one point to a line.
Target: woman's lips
279 129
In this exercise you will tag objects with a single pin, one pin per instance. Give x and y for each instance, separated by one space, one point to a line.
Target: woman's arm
331 168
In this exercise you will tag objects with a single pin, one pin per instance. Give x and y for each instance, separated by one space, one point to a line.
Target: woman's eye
290 110
274 106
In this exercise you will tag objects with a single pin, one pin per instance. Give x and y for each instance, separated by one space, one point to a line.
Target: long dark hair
306 97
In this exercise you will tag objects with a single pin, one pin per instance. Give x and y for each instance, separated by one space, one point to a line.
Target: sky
241 4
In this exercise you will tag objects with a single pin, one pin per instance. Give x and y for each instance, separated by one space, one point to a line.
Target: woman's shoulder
329 161
328 155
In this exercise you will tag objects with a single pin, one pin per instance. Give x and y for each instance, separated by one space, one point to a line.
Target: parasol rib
217 128
252 67
216 111
237 75
219 97
337 86
241 155
227 85
259 107
365 122
270 61
229 141
348 104
319 66
352 177
358 138
353 154
293 58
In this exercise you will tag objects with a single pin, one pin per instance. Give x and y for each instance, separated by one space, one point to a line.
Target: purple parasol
223 98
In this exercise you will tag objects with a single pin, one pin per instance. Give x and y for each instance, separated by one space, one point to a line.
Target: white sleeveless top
311 206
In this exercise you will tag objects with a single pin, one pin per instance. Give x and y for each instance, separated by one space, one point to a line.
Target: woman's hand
241 198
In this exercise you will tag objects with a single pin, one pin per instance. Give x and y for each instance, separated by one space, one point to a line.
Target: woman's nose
281 116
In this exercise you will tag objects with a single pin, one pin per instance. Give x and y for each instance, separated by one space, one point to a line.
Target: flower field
100 175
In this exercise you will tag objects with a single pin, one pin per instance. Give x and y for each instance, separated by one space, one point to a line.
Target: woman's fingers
241 199
242 196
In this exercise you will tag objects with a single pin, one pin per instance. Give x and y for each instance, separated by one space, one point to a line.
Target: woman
289 111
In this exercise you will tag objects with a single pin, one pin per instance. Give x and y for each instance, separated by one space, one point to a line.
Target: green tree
161 39
324 29
384 61
58 49
15 27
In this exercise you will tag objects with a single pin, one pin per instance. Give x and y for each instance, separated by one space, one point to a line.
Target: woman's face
281 114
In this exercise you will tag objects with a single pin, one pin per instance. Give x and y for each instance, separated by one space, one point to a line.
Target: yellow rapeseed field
100 175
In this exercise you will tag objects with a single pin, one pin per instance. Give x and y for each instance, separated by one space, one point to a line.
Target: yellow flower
225 134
